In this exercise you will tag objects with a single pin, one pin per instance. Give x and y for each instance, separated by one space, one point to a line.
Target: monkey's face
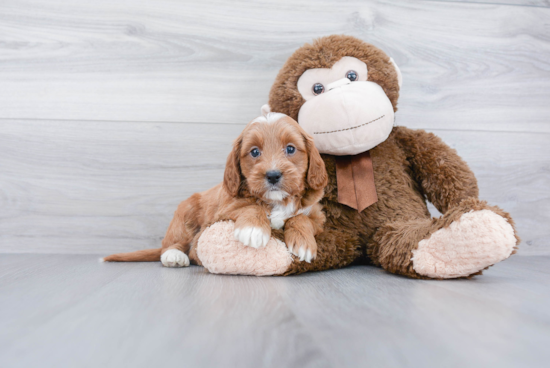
344 112
341 90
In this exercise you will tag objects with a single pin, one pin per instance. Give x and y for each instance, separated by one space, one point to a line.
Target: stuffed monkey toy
344 93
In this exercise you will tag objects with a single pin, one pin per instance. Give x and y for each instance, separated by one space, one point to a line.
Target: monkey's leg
464 241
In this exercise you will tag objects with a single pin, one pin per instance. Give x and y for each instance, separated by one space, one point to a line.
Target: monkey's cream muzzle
349 118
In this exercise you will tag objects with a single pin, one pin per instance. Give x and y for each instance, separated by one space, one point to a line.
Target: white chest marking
279 214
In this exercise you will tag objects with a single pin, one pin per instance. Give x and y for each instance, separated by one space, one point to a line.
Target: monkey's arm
443 176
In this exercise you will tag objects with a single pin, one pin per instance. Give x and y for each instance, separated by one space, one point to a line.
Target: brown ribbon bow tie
355 179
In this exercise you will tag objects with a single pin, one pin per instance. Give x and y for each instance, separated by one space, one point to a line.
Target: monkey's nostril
273 176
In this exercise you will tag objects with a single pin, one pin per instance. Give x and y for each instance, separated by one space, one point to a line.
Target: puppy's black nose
273 176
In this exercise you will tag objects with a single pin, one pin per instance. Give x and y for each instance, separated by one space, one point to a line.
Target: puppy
274 178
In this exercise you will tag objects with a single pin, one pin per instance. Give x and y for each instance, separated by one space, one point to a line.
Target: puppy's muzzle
273 176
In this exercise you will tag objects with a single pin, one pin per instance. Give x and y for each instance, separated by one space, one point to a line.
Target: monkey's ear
232 174
266 109
316 173
399 76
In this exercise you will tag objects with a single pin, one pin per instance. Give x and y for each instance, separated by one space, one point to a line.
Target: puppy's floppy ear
232 175
316 173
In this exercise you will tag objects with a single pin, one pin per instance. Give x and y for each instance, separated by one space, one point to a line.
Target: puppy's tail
146 255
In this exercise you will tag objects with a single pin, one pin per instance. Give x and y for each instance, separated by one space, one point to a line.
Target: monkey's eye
352 75
255 152
318 88
290 149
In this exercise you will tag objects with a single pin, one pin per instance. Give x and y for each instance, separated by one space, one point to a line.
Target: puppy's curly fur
256 202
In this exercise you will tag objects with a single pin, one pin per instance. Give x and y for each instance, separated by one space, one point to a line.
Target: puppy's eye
255 152
318 88
290 150
352 75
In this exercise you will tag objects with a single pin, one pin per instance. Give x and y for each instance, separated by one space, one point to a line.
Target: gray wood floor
71 311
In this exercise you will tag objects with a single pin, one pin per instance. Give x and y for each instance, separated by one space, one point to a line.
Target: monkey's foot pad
476 241
220 252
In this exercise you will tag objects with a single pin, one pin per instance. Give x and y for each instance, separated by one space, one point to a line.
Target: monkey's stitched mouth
355 127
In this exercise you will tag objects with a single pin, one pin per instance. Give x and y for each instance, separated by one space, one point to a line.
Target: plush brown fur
409 167
243 197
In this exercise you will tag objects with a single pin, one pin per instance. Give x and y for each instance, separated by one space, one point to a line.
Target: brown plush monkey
344 92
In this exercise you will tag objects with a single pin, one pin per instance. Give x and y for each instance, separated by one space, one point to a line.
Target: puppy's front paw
300 244
174 258
251 236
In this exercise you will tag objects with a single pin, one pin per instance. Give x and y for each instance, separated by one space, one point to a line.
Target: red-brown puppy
274 178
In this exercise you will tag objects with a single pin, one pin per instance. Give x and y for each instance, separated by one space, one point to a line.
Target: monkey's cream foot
174 258
477 240
220 252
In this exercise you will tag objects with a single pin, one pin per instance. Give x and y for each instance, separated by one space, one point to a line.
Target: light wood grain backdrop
111 112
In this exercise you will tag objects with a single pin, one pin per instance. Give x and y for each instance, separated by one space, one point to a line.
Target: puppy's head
274 158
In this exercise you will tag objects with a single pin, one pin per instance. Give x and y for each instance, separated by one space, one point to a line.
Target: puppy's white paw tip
254 237
174 258
309 256
101 260
302 253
